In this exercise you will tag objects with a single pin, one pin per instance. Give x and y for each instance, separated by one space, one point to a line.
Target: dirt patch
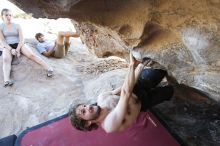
102 66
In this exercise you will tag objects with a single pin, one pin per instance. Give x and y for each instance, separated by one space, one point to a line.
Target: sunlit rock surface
183 36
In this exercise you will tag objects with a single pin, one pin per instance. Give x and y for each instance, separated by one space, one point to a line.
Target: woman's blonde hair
4 10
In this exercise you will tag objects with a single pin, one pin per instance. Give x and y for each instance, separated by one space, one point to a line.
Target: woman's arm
21 39
2 39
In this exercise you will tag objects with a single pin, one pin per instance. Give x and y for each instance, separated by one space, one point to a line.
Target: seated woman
13 45
57 49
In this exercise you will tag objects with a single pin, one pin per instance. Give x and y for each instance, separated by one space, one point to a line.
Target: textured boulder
182 35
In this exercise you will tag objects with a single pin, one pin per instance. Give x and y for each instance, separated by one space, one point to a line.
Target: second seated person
58 48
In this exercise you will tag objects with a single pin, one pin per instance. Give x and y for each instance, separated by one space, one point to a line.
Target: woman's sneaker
50 73
8 83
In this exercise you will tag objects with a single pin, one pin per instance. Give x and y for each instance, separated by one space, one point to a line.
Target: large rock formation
182 35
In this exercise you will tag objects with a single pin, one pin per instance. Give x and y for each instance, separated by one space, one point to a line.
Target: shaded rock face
181 35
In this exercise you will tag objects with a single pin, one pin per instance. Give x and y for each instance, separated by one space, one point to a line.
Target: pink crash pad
146 131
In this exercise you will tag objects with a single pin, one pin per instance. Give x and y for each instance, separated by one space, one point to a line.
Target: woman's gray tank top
11 37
